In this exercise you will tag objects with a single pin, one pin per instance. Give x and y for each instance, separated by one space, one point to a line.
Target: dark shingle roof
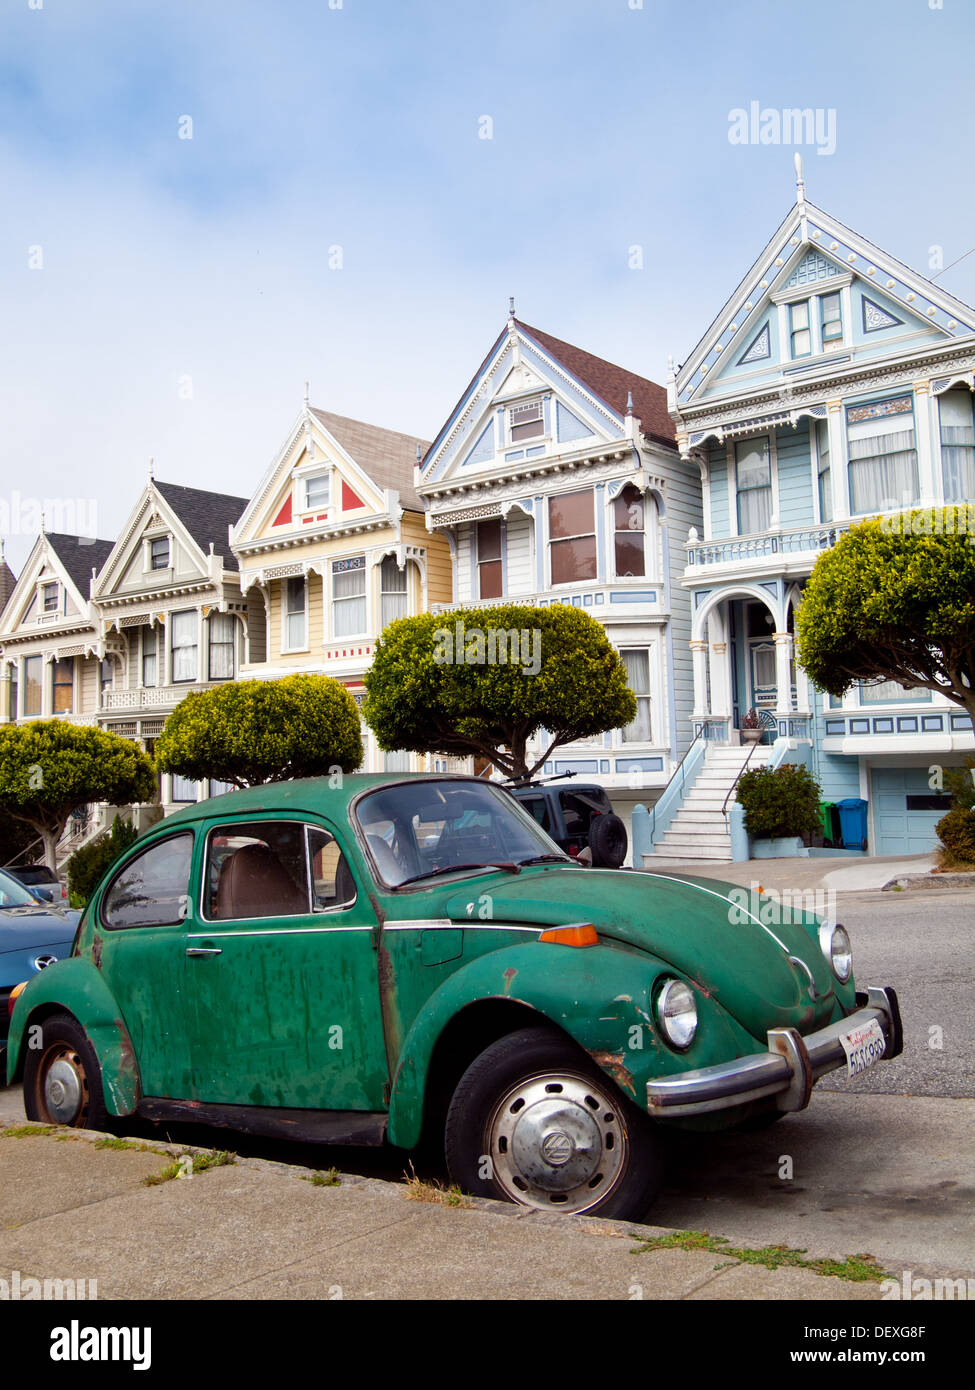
79 555
611 384
8 582
386 455
206 515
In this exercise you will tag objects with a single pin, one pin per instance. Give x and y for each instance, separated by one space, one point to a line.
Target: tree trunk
50 838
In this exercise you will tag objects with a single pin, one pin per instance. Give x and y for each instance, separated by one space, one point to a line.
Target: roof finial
511 306
629 402
151 465
306 395
800 181
419 453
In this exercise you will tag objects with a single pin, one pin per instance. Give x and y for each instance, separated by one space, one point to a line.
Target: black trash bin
853 822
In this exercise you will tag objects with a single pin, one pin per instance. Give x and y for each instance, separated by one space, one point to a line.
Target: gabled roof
206 515
386 455
79 555
612 384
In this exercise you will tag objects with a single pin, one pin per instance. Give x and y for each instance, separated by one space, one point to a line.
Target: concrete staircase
699 829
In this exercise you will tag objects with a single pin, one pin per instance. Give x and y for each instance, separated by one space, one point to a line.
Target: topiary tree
779 802
87 865
484 681
894 600
49 767
251 732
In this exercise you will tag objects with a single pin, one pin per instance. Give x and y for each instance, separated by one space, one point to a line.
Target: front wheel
533 1121
62 1079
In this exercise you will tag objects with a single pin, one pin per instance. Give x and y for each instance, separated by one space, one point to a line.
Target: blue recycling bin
853 822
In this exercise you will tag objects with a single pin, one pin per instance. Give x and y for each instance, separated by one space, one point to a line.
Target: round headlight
677 1014
835 944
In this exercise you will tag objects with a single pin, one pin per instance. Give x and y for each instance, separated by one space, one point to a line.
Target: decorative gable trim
875 318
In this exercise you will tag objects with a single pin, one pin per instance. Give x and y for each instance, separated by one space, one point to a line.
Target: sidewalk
72 1210
839 875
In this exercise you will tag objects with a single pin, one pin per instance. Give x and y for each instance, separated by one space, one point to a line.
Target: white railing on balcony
150 697
802 540
592 596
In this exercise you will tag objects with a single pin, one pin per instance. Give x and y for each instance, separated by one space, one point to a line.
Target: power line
948 267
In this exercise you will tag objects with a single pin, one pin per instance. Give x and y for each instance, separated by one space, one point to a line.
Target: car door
282 995
140 948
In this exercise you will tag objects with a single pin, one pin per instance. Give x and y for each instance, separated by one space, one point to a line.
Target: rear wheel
534 1122
62 1078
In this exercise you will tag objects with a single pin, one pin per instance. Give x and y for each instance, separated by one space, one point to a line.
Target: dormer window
832 320
318 491
159 553
526 421
49 598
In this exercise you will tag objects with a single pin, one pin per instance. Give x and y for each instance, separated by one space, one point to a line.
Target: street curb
931 880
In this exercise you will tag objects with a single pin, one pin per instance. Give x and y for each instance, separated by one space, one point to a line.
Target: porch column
720 673
699 655
783 673
927 488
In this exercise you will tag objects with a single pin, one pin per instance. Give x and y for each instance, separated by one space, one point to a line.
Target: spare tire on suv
607 841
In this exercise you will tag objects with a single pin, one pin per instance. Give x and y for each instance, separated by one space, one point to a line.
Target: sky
206 203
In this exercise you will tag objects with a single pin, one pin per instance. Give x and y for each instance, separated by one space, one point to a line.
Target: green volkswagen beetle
395 959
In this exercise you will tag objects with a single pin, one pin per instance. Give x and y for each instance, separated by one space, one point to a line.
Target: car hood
27 928
690 923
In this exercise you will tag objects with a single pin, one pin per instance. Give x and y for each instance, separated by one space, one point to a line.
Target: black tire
534 1121
62 1078
607 840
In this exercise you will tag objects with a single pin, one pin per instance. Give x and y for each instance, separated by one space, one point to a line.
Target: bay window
628 519
222 629
184 633
489 564
753 464
62 685
349 597
883 455
957 445
392 582
572 537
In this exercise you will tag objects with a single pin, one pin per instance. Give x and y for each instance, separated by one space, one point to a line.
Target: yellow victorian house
335 543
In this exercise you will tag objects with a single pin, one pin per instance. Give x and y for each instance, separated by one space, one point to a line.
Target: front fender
76 987
598 995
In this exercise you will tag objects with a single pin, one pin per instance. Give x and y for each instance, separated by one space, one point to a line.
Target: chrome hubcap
556 1143
64 1089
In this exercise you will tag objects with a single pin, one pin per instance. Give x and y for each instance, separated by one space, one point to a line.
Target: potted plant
751 727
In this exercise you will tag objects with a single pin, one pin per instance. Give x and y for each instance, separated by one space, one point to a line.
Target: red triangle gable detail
349 499
284 514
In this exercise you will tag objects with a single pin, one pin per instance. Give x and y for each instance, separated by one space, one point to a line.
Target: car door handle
203 950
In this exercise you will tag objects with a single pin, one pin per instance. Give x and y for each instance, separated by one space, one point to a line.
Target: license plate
863 1046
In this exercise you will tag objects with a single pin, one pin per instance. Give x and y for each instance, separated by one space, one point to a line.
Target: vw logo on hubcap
557 1147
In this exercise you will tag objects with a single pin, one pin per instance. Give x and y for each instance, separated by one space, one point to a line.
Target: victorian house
834 384
555 479
332 547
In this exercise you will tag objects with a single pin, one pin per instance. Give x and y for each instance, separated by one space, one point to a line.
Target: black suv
577 818
42 882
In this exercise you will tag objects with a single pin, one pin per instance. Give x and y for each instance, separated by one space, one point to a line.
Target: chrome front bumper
788 1070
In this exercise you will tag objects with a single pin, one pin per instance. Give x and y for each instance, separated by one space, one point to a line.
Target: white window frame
942 445
319 475
647 696
511 424
821 428
349 599
385 593
287 613
614 532
231 643
772 484
885 504
195 647
147 630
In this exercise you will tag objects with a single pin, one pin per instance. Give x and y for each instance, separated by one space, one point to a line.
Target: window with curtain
883 455
349 597
149 652
393 590
14 686
637 663
630 543
398 761
753 464
294 614
890 692
33 673
184 634
489 566
957 445
184 789
49 598
825 482
572 537
222 628
526 421
62 685
800 331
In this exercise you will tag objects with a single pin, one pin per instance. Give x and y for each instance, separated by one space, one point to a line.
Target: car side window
256 869
332 884
575 814
537 807
153 888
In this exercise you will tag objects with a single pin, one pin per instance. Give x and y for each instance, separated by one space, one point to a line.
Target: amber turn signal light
14 995
582 934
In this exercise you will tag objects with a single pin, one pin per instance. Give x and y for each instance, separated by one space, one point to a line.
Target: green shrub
87 864
960 781
780 802
956 831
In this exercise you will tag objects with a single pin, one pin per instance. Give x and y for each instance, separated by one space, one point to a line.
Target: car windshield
14 894
421 828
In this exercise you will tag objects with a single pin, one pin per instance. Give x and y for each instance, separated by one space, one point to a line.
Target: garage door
904 811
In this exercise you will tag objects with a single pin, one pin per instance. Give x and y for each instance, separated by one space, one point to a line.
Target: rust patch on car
612 1062
509 975
96 952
